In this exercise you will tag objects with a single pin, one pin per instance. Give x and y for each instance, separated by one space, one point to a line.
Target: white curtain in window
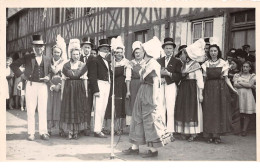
238 39
197 30
208 30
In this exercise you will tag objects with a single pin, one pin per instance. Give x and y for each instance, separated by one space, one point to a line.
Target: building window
69 14
243 17
202 29
141 36
243 29
57 16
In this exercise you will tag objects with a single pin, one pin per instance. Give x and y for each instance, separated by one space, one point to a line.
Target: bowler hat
168 41
87 40
37 39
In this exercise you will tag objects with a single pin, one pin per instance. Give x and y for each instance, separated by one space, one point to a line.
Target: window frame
202 21
142 33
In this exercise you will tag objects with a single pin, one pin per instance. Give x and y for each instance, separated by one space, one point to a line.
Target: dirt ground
233 148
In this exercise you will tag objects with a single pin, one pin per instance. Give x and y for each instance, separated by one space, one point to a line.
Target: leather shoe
150 154
131 151
31 137
99 135
45 137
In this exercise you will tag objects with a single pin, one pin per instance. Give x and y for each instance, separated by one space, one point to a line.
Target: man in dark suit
170 77
37 73
249 57
86 46
99 75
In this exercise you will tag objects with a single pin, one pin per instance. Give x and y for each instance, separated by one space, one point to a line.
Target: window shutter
218 29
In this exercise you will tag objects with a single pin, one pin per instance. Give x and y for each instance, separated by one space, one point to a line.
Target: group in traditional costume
156 94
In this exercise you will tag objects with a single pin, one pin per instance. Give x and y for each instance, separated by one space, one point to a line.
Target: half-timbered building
234 27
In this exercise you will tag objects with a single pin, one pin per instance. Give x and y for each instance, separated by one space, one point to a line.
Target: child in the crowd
244 82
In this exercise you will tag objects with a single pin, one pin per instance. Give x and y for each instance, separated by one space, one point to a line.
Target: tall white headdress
196 50
153 47
73 44
60 43
117 42
136 44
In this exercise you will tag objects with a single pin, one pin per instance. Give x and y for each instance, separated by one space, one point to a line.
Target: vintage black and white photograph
130 84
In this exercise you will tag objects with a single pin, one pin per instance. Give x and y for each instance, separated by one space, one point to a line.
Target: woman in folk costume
244 82
133 82
119 85
188 110
217 107
146 124
54 91
9 79
74 108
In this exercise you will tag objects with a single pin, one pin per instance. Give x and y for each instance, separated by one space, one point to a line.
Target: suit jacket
174 67
29 62
97 70
250 58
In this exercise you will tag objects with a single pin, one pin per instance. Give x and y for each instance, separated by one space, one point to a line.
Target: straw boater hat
196 50
168 41
37 40
87 40
103 43
153 47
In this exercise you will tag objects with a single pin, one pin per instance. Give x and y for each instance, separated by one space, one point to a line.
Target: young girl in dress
146 123
217 107
244 82
188 110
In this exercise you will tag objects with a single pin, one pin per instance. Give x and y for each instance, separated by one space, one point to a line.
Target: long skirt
120 93
53 109
146 124
74 106
134 87
188 110
217 107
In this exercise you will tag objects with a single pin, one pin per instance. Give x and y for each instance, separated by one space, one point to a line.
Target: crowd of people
156 94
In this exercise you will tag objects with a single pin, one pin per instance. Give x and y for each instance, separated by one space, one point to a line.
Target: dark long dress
120 93
217 108
188 111
74 106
